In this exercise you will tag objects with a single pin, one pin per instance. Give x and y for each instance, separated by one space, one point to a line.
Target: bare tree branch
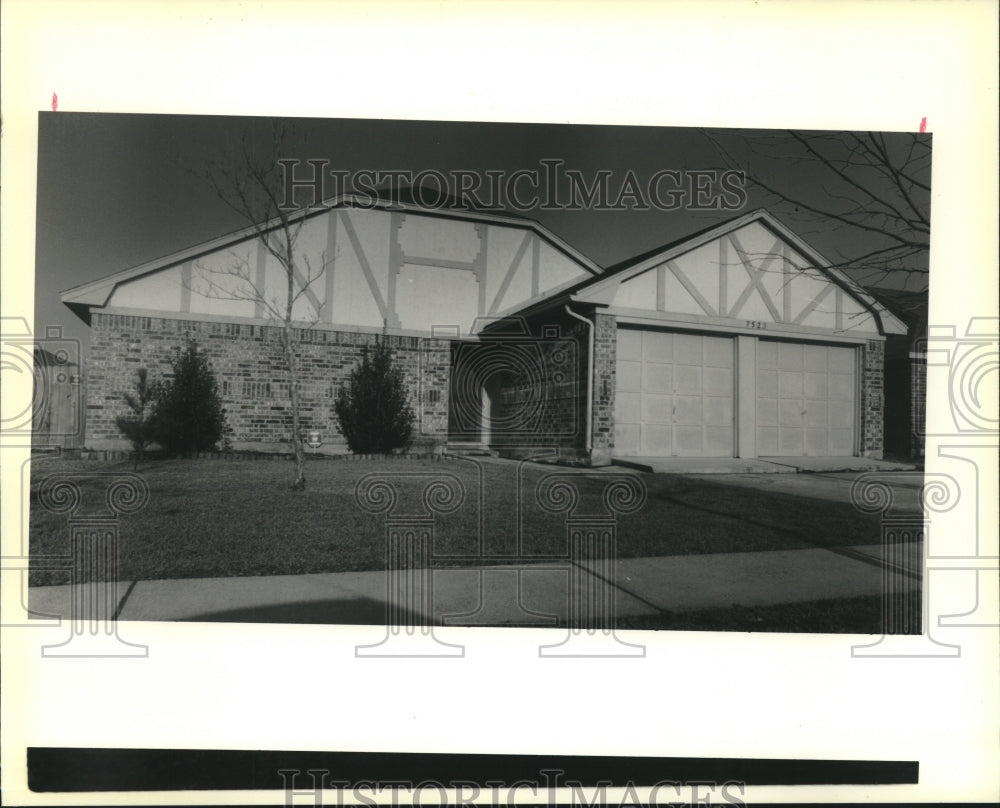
874 190
821 212
846 177
250 188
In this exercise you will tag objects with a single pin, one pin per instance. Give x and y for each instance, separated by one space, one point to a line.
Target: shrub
140 427
372 407
189 414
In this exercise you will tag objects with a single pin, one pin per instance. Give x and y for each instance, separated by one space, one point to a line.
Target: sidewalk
529 595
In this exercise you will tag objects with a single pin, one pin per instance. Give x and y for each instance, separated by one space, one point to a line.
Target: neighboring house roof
426 202
910 307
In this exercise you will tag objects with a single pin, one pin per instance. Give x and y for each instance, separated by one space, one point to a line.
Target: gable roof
432 199
422 201
595 289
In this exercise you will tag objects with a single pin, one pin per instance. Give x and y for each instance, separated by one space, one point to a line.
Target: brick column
872 397
431 400
602 367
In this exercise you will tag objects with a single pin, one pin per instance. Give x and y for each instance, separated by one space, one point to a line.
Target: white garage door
805 399
673 395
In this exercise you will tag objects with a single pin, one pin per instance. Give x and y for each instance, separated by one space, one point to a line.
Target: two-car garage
688 394
741 341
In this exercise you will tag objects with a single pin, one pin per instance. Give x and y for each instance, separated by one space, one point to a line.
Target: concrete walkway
529 595
757 465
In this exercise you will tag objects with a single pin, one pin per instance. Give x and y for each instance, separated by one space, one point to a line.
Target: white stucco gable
752 273
413 270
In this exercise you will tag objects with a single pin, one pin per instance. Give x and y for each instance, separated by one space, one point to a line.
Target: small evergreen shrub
372 407
141 425
189 414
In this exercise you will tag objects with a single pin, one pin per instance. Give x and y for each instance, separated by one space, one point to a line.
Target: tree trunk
293 393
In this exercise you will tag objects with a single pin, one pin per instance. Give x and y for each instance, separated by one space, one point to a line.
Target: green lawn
230 518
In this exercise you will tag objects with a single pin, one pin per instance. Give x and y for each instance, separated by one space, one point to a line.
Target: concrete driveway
758 465
833 486
829 478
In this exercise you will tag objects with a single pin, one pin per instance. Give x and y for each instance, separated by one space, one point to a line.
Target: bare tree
251 183
874 187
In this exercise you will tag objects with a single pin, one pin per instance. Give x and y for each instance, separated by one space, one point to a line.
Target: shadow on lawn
685 515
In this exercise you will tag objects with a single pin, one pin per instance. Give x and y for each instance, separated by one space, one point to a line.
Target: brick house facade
248 362
738 341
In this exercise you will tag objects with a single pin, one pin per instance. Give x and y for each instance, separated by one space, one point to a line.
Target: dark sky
117 190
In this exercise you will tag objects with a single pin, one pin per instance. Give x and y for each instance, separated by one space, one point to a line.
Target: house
740 340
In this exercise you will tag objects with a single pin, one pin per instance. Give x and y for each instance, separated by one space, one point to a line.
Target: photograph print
420 374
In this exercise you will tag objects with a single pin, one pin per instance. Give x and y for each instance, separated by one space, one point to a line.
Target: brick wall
248 364
872 397
603 419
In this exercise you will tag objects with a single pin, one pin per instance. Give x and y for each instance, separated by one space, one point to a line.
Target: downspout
590 377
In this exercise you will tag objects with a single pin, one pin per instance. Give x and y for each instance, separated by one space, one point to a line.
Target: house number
756 324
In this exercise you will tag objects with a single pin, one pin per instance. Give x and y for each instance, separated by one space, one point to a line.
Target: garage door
673 394
805 399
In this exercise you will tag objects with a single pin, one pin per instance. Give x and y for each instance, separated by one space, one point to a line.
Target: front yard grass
209 518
